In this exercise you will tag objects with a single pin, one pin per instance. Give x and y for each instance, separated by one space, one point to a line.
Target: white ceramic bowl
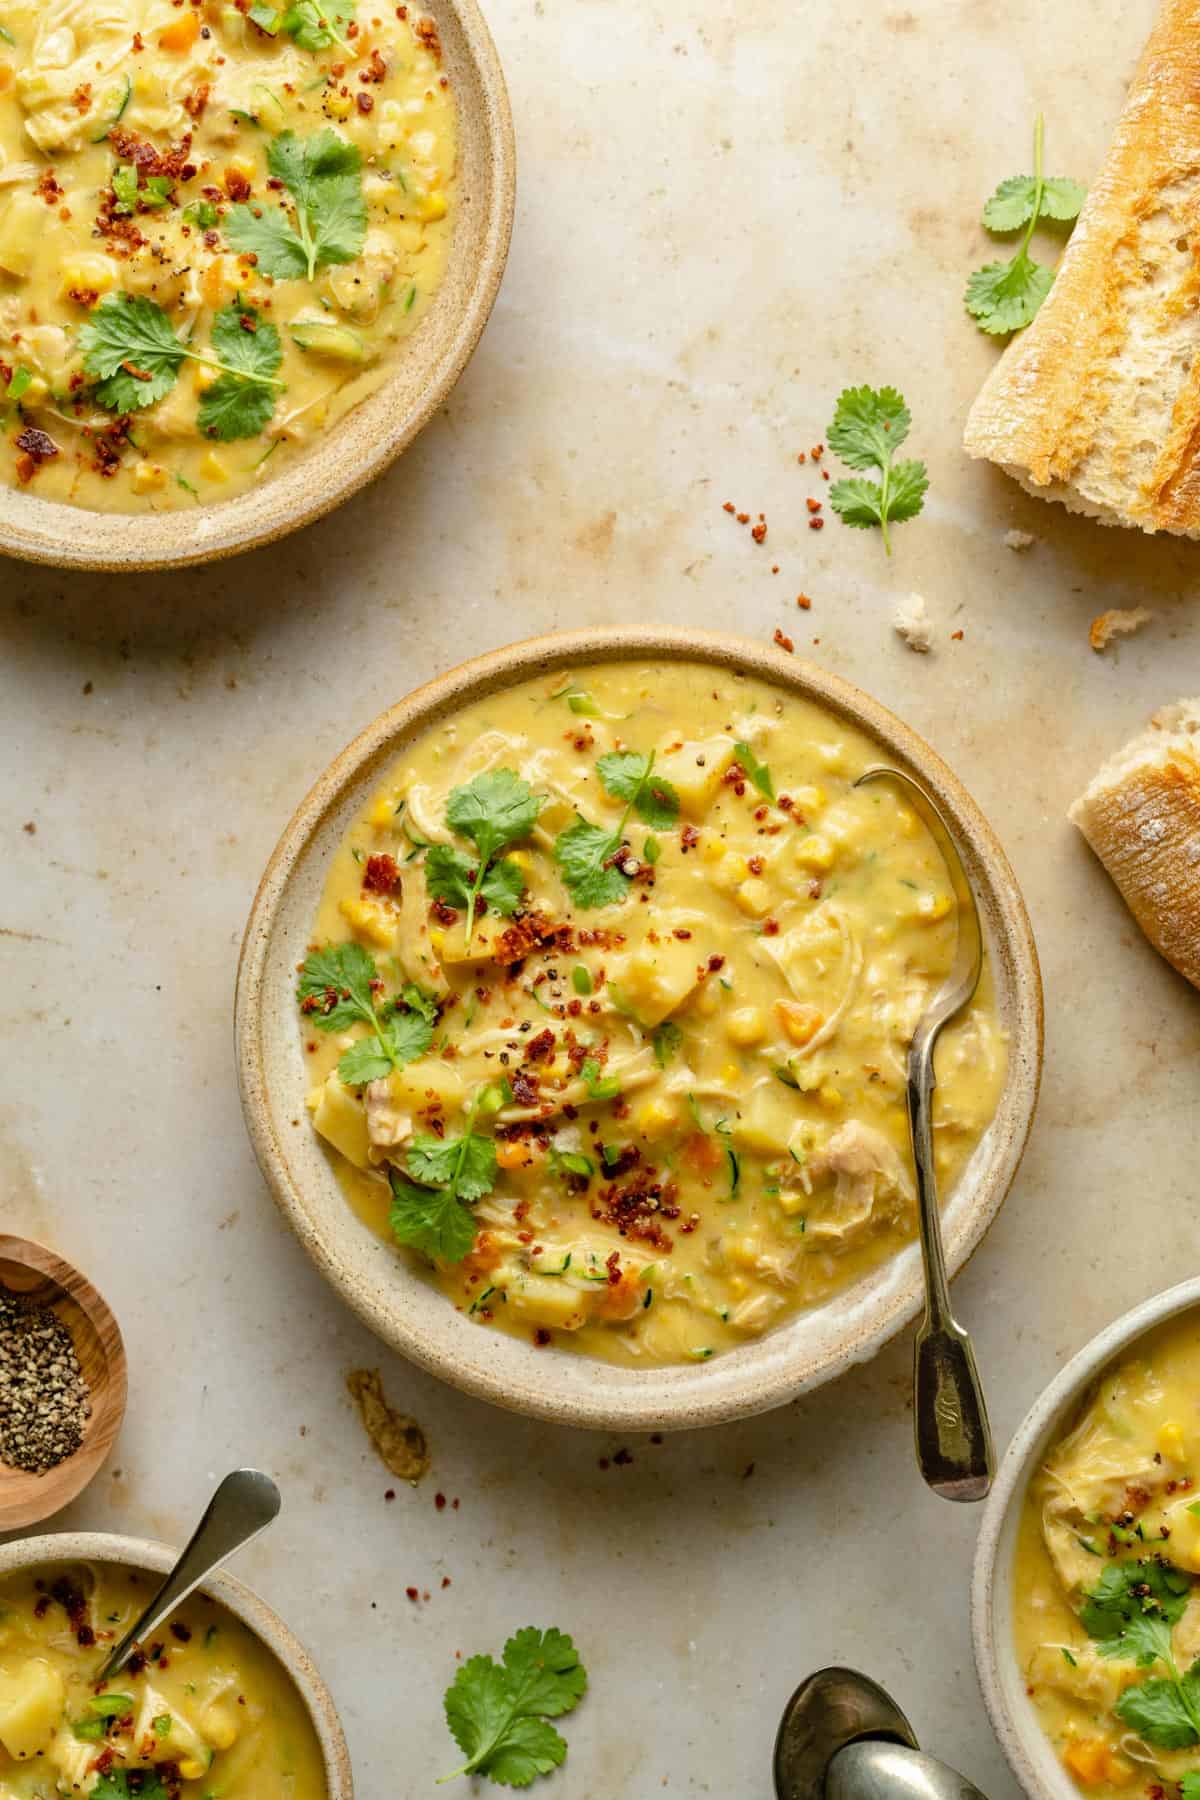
141 1553
414 1316
1009 1707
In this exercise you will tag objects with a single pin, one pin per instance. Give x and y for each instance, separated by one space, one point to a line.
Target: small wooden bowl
37 1274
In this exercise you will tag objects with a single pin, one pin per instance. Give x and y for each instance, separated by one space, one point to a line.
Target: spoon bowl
31 1272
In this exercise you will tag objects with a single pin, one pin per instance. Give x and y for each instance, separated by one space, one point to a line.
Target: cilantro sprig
494 810
116 1785
869 426
311 24
431 1204
1005 296
756 772
499 1712
1131 1613
586 854
133 356
323 176
338 988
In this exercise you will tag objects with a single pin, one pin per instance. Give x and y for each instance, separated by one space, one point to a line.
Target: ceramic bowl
157 1559
360 446
1013 1718
409 1313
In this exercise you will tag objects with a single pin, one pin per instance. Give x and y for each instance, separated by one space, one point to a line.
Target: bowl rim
1021 1737
58 535
729 1387
246 1605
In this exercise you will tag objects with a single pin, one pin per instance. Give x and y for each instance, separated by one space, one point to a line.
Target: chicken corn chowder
1107 1578
205 1712
219 221
605 1018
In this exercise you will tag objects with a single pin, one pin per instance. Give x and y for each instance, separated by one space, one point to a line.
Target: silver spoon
953 1437
842 1737
243 1505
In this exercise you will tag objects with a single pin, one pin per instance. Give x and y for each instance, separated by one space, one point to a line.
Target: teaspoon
243 1505
953 1437
842 1737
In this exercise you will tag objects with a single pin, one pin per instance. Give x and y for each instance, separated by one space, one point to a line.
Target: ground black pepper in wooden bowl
45 1402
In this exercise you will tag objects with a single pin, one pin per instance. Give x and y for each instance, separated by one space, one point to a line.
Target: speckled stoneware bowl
1010 1709
157 1559
411 1314
360 446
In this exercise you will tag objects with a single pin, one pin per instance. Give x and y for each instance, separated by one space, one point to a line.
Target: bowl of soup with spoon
223 1700
572 1017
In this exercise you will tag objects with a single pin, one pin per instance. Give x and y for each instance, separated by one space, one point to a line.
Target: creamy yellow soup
648 1101
207 1713
1106 1607
220 220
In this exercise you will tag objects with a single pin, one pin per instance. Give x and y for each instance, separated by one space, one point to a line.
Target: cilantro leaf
154 191
420 1000
498 1712
583 853
1163 1712
1132 1608
465 1165
323 175
432 1220
1004 297
758 772
1189 1785
627 775
868 427
115 1786
494 810
666 1039
1012 205
240 402
571 1162
266 235
131 352
315 24
335 986
599 1087
364 1061
266 18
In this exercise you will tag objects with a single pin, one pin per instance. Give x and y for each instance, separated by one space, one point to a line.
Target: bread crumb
1117 622
910 621
1019 540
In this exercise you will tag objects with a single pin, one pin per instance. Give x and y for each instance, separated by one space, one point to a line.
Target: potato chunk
31 1704
656 979
341 1119
696 771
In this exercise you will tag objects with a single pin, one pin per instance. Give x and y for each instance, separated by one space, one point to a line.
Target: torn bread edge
1141 815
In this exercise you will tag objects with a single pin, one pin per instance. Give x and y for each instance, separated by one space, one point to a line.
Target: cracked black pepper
44 1399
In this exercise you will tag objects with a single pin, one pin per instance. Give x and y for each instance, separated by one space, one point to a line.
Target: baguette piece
1097 403
1141 815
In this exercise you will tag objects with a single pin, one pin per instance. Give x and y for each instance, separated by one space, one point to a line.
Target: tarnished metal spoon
953 1437
243 1505
842 1737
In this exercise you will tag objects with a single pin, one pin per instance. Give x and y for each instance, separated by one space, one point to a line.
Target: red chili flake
445 915
439 1500
748 1471
656 1437
816 524
413 1594
182 1632
689 837
743 518
445 1581
770 928
817 451
774 568
623 1458
37 444
729 507
390 1494
803 602
454 1504
681 932
802 458
613 1265
956 635
758 533
541 1337
364 103
813 506
716 964
785 643
541 1047
381 875
755 863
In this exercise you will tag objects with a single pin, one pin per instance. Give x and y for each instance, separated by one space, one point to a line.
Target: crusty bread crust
1141 815
1097 403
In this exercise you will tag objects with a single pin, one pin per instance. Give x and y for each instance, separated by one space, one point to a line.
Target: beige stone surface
725 215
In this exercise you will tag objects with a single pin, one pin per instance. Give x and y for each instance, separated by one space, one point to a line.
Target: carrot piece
513 1153
181 34
212 284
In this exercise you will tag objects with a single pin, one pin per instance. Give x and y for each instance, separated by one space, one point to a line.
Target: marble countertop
725 215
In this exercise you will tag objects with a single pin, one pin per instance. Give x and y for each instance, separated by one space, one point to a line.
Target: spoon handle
954 1439
244 1504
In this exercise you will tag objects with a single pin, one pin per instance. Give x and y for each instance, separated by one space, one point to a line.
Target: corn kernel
1170 1440
522 859
801 1022
88 275
245 166
833 756
434 205
438 940
906 821
814 853
830 1097
383 812
746 1026
711 850
931 907
203 376
728 871
212 468
657 1116
730 1074
148 476
191 1768
808 799
754 897
338 106
220 1727
708 998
